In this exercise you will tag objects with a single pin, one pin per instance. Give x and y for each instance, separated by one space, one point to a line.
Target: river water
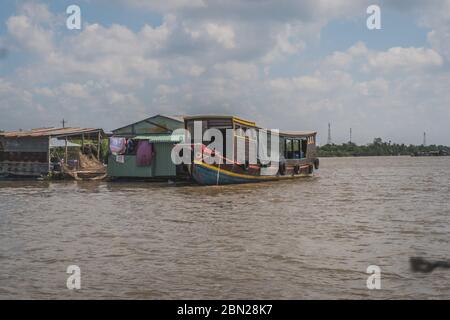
302 239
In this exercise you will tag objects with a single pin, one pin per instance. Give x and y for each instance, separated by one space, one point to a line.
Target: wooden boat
297 153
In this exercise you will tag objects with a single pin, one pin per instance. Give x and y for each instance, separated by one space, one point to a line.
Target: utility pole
350 135
424 139
63 123
329 133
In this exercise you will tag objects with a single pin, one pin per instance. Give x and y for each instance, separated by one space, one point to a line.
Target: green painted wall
162 165
128 169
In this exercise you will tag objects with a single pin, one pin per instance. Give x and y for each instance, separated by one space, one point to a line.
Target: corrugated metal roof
174 118
179 118
162 138
50 132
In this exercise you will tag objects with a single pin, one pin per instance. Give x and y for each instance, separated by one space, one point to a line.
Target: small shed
157 131
28 153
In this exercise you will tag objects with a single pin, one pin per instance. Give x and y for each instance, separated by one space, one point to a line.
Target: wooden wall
24 156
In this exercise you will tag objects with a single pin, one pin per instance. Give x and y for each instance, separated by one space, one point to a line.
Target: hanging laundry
131 147
145 153
117 145
120 159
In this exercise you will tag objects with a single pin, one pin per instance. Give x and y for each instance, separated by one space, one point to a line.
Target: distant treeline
379 148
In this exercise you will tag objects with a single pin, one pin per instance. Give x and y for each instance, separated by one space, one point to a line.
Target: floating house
143 149
42 152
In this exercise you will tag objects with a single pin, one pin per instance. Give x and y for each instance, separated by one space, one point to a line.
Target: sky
289 65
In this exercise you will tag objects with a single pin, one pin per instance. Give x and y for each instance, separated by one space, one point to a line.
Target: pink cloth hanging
117 145
145 153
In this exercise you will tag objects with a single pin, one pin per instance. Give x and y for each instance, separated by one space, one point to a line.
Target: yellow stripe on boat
233 174
244 122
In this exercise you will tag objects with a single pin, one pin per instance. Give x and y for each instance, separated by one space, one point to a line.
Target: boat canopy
297 134
224 117
221 120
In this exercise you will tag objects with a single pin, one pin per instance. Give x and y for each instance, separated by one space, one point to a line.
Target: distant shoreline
380 148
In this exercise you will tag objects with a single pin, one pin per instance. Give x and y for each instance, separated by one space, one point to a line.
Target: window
266 148
289 149
224 142
190 128
304 147
296 149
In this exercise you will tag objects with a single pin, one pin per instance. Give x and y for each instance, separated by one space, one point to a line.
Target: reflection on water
309 238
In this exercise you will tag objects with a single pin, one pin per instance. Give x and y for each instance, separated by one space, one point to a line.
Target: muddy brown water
302 239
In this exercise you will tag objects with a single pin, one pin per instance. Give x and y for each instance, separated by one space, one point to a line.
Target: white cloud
29 35
346 59
393 60
377 87
288 41
165 5
339 60
37 12
398 58
432 15
222 34
234 70
74 90
44 91
440 40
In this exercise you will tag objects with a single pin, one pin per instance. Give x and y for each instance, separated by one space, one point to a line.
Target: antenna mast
329 133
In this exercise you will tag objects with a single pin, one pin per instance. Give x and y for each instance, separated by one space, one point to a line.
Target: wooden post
65 152
98 145
49 158
82 143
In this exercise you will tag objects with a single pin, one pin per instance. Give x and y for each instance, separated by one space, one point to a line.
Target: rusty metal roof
51 132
